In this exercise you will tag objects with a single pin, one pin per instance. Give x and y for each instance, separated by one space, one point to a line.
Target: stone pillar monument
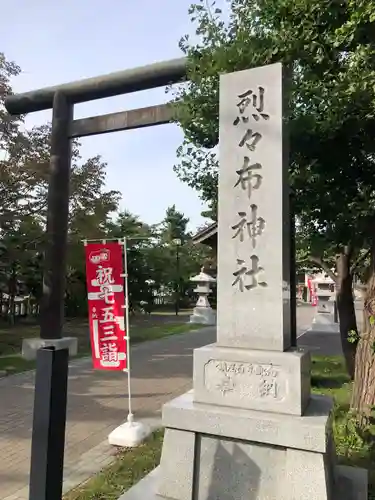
250 429
203 312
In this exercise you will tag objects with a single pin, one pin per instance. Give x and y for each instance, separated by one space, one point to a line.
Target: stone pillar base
203 316
352 485
31 346
212 452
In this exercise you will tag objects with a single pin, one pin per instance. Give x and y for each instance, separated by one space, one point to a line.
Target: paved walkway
97 404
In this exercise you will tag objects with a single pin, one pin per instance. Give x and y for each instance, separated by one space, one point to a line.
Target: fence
17 307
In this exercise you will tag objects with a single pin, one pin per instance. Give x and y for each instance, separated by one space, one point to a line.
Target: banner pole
130 433
126 283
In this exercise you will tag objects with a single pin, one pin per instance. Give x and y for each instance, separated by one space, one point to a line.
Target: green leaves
330 47
353 337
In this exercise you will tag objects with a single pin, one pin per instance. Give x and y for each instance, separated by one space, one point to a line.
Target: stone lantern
324 317
203 312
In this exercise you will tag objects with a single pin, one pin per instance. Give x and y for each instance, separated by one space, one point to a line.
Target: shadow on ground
322 343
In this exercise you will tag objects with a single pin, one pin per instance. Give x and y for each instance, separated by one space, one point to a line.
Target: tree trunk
346 309
363 397
12 311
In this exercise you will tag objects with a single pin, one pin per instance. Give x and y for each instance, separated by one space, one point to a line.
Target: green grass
144 328
129 467
15 364
11 337
328 377
160 331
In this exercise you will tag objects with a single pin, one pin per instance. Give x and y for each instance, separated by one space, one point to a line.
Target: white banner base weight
129 434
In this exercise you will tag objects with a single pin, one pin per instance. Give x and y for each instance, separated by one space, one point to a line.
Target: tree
174 225
173 236
139 241
130 226
22 165
23 159
9 125
329 51
185 257
21 264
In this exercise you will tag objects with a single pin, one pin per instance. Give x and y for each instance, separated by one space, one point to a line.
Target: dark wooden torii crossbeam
121 82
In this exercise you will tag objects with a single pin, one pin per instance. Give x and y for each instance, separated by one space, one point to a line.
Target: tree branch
320 262
360 259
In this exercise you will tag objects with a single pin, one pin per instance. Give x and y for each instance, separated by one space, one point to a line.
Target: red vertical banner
313 296
106 301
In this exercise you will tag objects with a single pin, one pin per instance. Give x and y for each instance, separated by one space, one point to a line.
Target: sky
58 42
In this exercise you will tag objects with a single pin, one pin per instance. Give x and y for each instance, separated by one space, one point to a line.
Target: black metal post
52 307
48 436
293 280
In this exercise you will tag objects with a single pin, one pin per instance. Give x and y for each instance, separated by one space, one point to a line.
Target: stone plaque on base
256 380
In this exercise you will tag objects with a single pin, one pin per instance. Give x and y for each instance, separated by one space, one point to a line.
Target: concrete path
97 404
324 343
